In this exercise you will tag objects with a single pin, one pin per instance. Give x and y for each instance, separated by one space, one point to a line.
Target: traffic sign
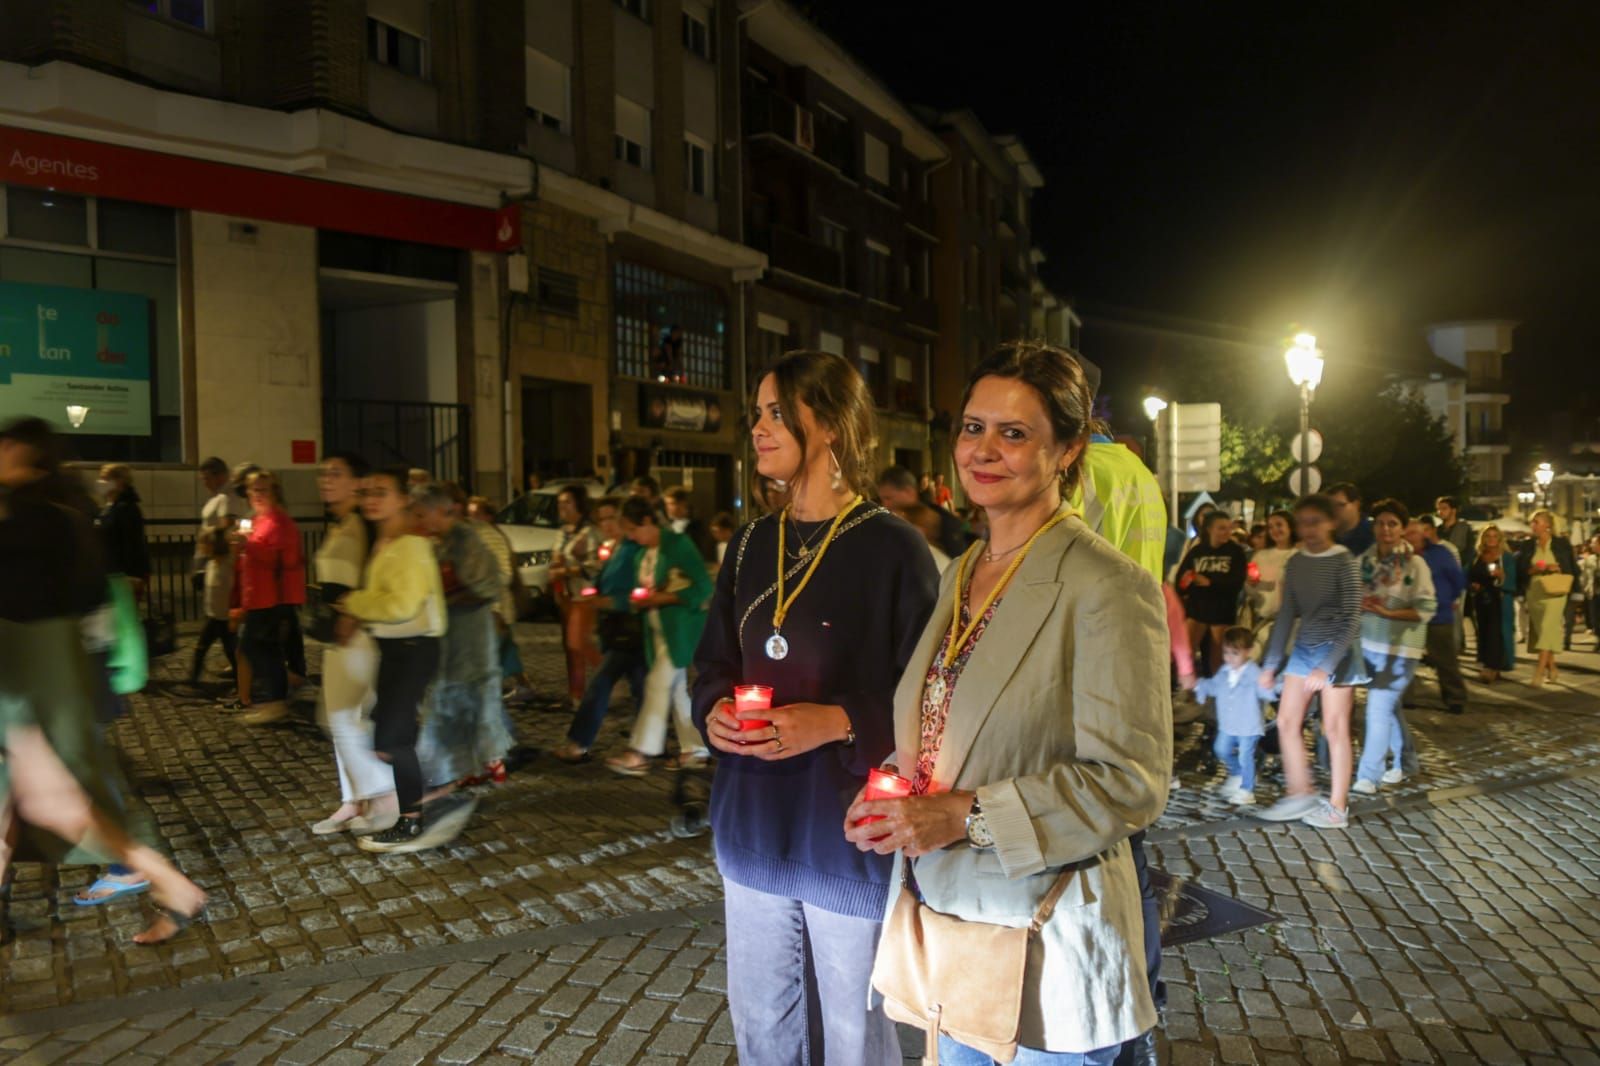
1314 476
1315 439
1189 446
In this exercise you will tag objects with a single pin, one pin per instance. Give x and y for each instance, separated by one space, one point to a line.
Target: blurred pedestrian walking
1449 584
1546 570
574 565
272 588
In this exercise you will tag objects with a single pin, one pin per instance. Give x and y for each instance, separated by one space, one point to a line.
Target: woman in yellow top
401 603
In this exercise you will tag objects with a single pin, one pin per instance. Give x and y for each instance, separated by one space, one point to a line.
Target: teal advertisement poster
83 349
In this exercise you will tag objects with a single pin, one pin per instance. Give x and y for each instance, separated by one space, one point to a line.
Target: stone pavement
1455 921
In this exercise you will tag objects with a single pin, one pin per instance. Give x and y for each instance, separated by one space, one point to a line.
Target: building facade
985 268
837 193
1474 406
626 346
259 231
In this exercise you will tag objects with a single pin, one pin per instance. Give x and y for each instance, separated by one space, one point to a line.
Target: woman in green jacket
673 588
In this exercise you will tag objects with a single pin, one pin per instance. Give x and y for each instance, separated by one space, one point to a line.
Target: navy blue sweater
779 826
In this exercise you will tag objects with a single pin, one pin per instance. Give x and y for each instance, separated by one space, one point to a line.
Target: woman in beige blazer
1043 741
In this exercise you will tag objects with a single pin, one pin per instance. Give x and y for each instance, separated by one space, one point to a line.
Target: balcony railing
1485 436
771 113
799 254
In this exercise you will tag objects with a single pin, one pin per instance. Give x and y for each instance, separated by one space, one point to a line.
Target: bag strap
1047 906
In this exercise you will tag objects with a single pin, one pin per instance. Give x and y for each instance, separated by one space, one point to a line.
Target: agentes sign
62 347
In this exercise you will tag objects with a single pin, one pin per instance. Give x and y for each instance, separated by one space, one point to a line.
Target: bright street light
1304 361
1153 406
1544 475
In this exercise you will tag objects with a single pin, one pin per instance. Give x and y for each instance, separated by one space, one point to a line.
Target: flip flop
118 889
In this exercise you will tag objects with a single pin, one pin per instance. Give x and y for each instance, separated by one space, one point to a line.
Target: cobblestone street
1456 920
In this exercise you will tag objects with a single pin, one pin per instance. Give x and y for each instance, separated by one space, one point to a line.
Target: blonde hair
1549 516
267 482
119 472
1483 535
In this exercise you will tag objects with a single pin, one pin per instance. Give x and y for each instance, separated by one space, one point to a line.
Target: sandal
174 916
630 764
495 771
112 889
571 754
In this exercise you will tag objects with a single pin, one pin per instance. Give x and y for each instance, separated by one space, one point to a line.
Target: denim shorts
1352 669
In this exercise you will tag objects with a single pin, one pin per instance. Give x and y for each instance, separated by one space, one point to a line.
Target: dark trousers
616 666
214 630
263 640
1151 906
294 645
406 666
1447 664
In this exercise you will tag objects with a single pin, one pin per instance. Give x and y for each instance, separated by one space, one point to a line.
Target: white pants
666 687
349 675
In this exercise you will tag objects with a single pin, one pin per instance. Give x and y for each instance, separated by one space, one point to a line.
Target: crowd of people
881 831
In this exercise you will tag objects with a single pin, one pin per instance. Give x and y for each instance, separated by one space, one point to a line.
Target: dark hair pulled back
1059 380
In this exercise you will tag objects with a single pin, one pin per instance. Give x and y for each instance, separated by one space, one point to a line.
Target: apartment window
697 166
876 161
558 292
772 340
879 259
831 343
193 13
835 237
632 141
549 92
697 29
905 384
394 47
870 361
636 8
650 305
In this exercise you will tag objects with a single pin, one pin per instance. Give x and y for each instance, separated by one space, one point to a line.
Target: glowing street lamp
1153 406
1304 360
1543 475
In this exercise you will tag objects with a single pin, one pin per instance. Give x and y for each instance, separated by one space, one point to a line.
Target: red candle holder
590 590
640 593
752 698
605 552
1253 572
882 785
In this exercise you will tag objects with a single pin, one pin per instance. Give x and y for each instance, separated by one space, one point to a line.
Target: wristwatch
978 834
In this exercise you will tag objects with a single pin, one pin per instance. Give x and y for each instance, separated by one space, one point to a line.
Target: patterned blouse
578 552
938 689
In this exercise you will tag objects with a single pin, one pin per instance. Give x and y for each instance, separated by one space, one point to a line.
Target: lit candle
752 698
605 552
590 590
639 593
1253 572
882 785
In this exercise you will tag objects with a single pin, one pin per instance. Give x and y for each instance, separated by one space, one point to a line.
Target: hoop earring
838 471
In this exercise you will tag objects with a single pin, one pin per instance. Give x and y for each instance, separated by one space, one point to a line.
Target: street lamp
1153 406
1304 361
1544 474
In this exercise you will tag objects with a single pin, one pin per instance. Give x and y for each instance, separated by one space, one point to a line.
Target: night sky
1237 170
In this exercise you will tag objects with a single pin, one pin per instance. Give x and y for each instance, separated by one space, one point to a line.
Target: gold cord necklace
959 636
777 646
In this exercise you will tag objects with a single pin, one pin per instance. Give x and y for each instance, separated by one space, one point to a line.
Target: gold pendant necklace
960 636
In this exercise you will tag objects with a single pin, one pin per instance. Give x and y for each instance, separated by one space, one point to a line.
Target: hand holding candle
639 594
752 698
882 785
590 591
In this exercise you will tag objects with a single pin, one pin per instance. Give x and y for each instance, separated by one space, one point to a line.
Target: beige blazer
1062 723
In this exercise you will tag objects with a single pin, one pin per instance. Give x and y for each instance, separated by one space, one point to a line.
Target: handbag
1556 585
319 617
621 631
962 979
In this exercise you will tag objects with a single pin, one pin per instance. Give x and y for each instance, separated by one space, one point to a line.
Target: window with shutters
558 292
632 140
697 29
697 166
549 91
394 47
876 162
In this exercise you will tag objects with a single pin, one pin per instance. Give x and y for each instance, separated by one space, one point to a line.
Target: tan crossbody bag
963 979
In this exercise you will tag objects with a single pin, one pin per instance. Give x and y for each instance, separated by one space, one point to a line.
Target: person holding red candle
821 602
671 595
1034 722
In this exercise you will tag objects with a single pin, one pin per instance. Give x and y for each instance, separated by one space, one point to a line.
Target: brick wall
36 30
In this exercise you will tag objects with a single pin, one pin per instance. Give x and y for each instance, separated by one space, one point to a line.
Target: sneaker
265 713
1242 797
520 694
1290 808
1365 787
1327 816
446 817
402 837
1230 784
1393 777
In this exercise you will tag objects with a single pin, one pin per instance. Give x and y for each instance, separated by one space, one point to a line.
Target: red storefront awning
93 168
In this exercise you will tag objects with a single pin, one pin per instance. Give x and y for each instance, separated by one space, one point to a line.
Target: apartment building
1475 405
258 230
837 176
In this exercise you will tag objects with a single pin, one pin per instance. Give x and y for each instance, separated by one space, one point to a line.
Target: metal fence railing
172 589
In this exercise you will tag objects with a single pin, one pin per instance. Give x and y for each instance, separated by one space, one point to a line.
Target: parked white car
531 524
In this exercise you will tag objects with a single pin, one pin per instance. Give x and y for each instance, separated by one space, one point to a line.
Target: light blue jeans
954 1054
797 984
1238 756
1386 729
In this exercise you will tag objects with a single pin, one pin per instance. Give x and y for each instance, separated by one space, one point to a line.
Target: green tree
1255 460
